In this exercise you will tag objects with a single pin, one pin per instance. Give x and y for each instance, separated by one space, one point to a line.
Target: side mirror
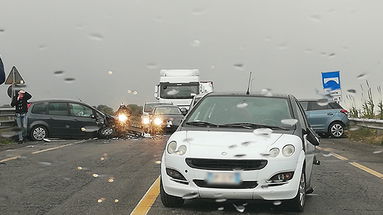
184 111
311 137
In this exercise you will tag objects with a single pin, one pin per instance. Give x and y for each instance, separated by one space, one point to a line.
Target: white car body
219 145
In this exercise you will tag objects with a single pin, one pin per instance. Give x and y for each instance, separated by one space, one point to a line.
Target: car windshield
179 91
167 111
150 106
241 110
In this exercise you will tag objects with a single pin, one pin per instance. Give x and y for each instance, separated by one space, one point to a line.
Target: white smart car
237 146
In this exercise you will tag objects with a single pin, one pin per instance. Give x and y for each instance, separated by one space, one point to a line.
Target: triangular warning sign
14 77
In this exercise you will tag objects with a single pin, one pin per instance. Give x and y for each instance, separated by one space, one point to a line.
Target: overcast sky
287 44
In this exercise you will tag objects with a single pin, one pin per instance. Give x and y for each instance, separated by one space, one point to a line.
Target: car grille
242 185
225 164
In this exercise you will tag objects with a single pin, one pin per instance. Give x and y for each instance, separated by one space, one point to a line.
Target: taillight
344 111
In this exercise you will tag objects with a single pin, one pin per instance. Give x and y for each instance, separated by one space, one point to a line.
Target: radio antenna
248 85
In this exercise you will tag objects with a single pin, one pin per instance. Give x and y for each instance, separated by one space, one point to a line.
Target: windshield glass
167 110
150 106
179 91
223 110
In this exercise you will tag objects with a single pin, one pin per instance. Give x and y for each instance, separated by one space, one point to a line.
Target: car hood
227 145
176 119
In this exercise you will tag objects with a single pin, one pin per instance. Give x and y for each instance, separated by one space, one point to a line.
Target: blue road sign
331 80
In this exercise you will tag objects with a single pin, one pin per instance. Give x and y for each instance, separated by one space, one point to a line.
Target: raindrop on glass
246 143
172 92
69 80
315 18
100 200
79 168
238 66
187 139
289 122
331 55
151 66
232 146
58 73
190 196
134 92
276 203
102 158
95 175
266 92
323 102
239 208
221 208
111 179
263 131
116 201
96 36
2 30
362 76
242 105
351 91
110 72
198 11
195 43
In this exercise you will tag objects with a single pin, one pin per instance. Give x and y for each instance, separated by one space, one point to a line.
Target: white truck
179 86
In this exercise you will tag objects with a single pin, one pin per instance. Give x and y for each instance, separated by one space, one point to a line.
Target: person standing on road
20 101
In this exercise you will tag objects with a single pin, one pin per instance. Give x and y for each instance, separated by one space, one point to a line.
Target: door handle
330 114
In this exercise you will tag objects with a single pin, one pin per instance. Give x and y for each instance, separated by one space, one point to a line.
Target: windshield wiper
250 125
201 124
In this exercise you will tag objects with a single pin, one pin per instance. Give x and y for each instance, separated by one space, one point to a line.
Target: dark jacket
22 104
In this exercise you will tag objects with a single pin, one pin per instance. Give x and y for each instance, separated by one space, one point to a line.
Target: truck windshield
179 91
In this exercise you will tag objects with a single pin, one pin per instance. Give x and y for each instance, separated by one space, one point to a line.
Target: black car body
66 119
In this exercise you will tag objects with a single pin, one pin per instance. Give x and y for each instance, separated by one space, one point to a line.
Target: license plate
223 178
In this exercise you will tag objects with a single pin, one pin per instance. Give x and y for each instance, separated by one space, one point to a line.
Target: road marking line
148 199
364 168
9 159
340 157
57 147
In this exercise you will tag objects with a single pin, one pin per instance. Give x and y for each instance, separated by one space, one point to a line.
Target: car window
240 109
58 108
301 115
304 105
167 110
80 110
39 108
313 105
335 105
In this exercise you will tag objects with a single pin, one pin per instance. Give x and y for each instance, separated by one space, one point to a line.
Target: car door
58 119
318 116
83 123
309 147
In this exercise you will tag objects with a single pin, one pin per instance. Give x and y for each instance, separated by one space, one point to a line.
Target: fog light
281 177
175 174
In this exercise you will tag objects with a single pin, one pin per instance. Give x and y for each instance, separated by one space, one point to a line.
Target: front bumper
263 190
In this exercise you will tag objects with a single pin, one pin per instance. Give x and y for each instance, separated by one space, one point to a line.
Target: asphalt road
113 176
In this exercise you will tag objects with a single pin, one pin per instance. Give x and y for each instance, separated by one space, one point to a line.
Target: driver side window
80 110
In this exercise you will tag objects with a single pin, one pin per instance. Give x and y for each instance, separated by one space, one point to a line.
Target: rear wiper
250 125
201 124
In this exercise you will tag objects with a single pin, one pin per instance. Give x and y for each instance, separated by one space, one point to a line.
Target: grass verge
366 135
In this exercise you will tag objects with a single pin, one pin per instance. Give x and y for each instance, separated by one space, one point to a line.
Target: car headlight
145 121
122 118
274 152
288 150
181 150
172 147
157 121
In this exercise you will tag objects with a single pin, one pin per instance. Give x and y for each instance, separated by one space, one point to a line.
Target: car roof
59 100
251 94
171 106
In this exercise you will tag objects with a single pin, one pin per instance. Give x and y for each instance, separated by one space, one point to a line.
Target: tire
168 200
39 133
336 129
297 204
106 132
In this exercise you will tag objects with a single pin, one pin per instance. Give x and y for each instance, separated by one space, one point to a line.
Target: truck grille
225 164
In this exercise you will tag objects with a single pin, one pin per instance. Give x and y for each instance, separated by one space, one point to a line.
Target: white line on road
57 147
11 158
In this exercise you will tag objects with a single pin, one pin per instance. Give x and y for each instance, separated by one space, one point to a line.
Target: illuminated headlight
288 150
181 150
122 118
172 147
274 152
157 121
145 121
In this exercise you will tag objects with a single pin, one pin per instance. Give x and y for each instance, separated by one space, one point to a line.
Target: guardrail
7 117
368 123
